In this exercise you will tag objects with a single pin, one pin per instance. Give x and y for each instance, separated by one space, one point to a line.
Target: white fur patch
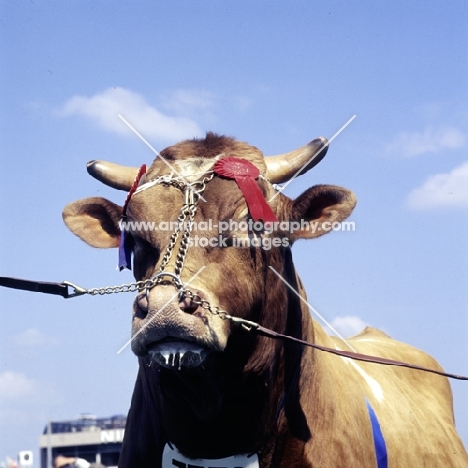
186 171
194 168
373 384
173 458
375 340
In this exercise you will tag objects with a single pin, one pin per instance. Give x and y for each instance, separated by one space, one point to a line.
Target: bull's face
226 265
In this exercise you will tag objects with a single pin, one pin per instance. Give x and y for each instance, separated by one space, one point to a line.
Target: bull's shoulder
368 334
374 342
371 332
377 343
434 389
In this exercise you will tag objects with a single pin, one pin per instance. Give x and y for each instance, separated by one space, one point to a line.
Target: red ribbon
140 174
245 173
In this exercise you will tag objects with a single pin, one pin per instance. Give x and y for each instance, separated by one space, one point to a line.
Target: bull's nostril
188 306
142 305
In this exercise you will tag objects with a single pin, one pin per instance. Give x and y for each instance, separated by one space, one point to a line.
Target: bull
209 393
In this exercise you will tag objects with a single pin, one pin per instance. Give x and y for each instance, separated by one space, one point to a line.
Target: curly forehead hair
209 147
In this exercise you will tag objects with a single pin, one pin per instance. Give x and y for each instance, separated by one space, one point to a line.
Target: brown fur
233 402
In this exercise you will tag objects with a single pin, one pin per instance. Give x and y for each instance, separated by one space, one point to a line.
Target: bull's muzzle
175 333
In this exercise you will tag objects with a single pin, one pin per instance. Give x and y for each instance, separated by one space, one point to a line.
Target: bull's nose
161 298
164 299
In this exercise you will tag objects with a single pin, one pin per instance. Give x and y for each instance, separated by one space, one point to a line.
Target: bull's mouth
175 354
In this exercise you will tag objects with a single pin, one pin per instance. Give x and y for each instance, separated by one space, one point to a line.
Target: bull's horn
282 167
113 175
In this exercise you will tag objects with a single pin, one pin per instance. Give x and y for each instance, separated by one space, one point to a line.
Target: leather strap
349 354
59 289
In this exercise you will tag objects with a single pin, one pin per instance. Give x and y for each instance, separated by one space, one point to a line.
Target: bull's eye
226 240
146 257
144 245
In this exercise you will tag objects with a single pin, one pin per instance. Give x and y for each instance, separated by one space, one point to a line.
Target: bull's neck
238 401
216 411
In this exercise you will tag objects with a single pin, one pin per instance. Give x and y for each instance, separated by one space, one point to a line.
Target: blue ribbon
379 441
126 245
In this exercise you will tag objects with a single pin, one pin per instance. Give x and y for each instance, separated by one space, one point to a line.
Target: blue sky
276 75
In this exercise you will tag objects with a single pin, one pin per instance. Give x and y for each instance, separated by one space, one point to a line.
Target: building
96 440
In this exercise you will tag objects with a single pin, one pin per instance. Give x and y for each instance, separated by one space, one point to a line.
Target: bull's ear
321 206
94 220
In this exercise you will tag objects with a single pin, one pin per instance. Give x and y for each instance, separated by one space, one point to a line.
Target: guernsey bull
209 393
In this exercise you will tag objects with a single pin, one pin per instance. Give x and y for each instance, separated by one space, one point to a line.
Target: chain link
184 242
172 242
204 304
136 286
139 286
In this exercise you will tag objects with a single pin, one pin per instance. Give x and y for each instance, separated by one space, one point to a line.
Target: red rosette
245 173
232 168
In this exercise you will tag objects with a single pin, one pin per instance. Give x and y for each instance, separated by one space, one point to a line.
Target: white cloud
188 102
104 108
442 190
16 386
347 325
242 103
24 400
32 338
431 140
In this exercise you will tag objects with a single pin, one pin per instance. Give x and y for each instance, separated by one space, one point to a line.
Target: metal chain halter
192 194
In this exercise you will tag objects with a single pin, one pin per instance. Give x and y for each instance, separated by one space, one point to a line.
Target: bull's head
234 277
177 331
